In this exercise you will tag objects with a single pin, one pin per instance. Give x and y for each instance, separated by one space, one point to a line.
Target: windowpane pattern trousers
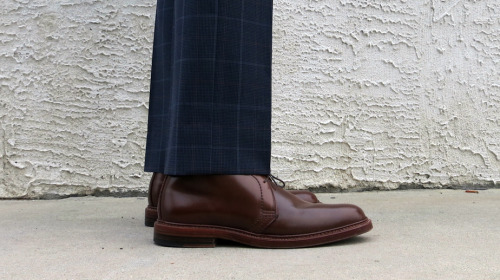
210 96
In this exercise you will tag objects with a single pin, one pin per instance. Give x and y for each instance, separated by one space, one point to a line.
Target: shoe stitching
265 216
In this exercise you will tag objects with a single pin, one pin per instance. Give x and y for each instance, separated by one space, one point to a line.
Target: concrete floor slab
424 234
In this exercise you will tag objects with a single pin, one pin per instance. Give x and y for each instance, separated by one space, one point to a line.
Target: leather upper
250 203
157 181
155 188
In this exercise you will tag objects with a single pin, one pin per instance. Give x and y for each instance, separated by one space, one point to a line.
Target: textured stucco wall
387 93
74 78
367 94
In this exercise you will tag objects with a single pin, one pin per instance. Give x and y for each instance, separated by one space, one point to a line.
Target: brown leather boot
194 211
154 191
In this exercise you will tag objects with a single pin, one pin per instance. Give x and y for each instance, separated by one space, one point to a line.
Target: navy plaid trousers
210 97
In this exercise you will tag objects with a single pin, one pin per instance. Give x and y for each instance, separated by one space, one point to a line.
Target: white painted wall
367 94
387 93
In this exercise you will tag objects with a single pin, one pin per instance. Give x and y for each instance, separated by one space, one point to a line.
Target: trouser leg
210 104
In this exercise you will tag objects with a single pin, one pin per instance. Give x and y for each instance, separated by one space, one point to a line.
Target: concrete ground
424 234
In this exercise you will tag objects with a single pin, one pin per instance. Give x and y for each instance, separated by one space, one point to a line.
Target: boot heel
185 242
150 216
149 222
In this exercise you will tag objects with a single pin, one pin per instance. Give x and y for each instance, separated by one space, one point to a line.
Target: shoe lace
275 180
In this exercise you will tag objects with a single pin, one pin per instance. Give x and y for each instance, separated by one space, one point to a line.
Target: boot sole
201 236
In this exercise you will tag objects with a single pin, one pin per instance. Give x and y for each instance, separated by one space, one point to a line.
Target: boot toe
349 214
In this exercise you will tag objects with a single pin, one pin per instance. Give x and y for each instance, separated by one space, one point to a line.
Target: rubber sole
200 236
